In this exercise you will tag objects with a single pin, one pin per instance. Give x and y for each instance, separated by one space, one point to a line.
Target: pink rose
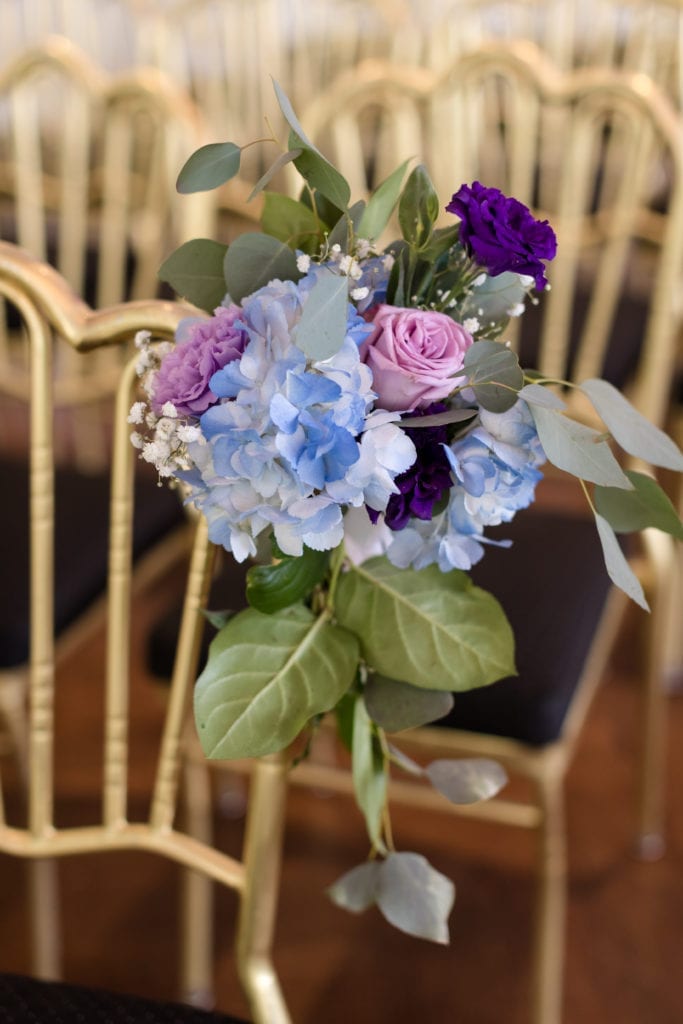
414 355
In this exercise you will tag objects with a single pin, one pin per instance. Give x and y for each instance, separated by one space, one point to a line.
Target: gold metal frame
46 304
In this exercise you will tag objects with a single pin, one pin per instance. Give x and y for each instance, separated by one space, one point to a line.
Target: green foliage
209 167
253 260
282 161
633 432
270 588
382 204
322 327
495 297
195 271
494 373
344 231
446 634
646 505
418 208
369 774
466 780
536 394
618 569
291 222
395 706
321 175
267 676
577 449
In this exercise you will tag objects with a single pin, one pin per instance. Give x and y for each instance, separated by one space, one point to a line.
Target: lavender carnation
184 375
501 234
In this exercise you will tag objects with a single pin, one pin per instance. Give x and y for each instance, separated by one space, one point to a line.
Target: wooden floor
625 926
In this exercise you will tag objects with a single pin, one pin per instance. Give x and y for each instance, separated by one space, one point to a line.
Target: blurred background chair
46 304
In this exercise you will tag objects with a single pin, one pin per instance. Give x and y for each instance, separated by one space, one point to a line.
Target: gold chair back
46 304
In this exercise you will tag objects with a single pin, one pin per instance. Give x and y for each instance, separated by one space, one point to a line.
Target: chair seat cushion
25 1000
552 584
81 543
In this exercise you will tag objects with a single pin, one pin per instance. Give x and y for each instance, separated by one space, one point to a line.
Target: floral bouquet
347 417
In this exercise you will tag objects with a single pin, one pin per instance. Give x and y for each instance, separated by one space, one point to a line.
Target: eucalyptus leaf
291 118
618 569
254 697
321 175
630 429
577 449
493 299
369 774
289 221
494 373
322 327
446 634
418 208
209 167
646 505
357 889
466 780
254 260
217 619
414 897
439 419
273 587
282 161
347 225
396 706
195 271
381 204
536 394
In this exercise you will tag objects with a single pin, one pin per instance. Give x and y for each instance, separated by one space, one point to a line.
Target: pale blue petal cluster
495 471
292 443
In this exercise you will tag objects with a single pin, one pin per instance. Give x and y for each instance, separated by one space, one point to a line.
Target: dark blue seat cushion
552 584
81 542
25 1000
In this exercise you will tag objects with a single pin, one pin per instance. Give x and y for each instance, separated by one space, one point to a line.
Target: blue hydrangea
289 444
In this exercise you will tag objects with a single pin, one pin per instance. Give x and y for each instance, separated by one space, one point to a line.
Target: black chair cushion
552 584
81 541
25 1000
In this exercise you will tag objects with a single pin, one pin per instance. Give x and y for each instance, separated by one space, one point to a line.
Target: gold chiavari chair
46 305
614 310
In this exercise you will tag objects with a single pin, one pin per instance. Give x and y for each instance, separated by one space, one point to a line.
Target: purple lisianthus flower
427 480
184 375
501 234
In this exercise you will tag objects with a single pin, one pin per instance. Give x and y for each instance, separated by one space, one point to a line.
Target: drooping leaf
418 207
357 889
466 780
369 774
446 634
577 449
494 373
321 175
346 226
618 569
536 394
209 167
273 587
289 221
414 897
282 161
253 697
396 706
381 204
630 429
253 260
195 271
646 505
322 327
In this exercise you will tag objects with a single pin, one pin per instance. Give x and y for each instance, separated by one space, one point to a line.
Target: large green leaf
381 204
633 432
618 569
254 260
369 774
431 629
577 449
494 373
266 676
195 271
209 167
289 221
321 175
273 587
646 505
396 706
492 301
418 208
322 327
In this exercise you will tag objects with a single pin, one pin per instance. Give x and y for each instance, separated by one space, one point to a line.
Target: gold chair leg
44 910
262 858
197 970
551 909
